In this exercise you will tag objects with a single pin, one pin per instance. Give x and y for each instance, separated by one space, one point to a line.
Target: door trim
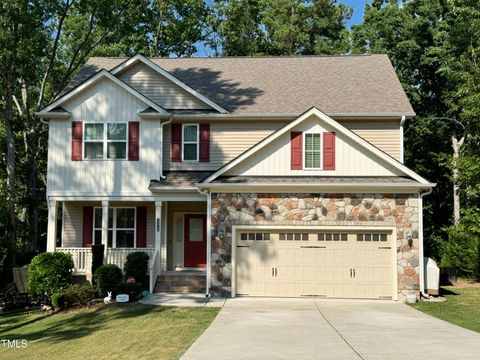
393 244
178 254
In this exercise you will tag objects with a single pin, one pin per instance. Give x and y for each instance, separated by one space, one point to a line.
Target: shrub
107 277
49 273
97 257
136 266
132 289
78 294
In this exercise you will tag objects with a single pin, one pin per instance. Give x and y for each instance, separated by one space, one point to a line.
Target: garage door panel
333 265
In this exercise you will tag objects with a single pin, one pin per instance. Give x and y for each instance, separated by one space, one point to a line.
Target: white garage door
314 263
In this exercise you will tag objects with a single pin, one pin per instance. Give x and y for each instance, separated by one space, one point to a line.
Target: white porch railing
118 256
153 266
82 259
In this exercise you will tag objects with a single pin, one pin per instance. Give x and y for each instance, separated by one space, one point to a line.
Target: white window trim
191 142
114 228
105 141
304 150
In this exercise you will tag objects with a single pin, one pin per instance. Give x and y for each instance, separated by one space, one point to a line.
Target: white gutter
316 185
287 116
420 242
402 123
162 124
53 114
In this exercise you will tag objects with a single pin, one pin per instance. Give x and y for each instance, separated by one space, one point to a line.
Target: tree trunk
456 145
10 191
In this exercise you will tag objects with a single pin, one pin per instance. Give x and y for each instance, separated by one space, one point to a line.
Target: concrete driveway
266 328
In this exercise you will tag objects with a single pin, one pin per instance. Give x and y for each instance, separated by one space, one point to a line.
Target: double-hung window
121 227
190 142
312 152
105 141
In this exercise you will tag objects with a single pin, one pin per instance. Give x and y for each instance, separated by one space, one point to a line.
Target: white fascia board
172 196
98 76
335 125
170 77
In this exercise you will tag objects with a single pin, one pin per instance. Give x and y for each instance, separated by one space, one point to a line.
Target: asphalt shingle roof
284 85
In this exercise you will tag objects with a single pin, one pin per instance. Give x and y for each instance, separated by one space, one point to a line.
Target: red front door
195 240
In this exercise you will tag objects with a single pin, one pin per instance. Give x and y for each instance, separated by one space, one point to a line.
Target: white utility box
432 276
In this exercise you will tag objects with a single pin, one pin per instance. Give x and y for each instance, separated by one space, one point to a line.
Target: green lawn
461 308
122 331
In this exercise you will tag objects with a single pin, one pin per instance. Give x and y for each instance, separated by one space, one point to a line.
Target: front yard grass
120 331
462 307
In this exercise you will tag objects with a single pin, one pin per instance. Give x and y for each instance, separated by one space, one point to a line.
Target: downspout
420 242
169 121
402 124
209 240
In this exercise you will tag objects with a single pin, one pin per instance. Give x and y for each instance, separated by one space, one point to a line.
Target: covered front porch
171 230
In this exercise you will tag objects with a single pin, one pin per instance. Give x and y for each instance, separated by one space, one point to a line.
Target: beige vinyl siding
181 207
351 159
103 102
384 134
227 140
73 221
159 89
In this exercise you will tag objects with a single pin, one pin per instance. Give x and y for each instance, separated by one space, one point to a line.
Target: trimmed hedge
49 273
136 266
107 277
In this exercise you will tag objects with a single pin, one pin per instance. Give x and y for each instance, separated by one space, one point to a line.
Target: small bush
107 277
136 265
49 273
78 294
57 300
132 289
97 257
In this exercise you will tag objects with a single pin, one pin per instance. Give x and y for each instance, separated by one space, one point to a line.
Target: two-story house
262 176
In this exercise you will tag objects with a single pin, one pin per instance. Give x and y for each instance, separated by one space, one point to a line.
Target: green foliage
49 273
107 277
136 265
462 249
77 294
132 289
97 257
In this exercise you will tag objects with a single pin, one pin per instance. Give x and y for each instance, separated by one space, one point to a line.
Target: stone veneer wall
399 210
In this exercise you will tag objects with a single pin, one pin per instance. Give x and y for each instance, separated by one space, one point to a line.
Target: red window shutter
87 226
176 142
296 151
142 226
133 140
77 137
204 143
328 151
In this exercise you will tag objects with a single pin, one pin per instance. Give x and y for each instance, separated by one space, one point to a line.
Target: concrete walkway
263 328
187 300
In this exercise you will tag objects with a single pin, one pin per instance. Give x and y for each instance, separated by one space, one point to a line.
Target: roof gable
183 89
102 74
381 164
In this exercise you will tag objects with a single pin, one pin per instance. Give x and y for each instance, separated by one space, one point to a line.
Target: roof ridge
246 57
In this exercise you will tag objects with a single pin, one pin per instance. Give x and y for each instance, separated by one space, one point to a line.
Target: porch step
180 283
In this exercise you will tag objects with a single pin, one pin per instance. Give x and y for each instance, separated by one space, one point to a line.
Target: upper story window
105 141
312 152
190 142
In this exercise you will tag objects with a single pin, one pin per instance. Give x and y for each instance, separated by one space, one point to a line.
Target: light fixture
409 238
158 224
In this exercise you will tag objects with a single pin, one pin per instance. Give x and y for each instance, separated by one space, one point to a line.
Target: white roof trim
169 76
334 124
98 76
54 114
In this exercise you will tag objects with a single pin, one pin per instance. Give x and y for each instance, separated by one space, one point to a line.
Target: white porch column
105 230
164 237
52 226
209 242
158 230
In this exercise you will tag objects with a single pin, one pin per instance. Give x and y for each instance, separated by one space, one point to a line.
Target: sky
358 7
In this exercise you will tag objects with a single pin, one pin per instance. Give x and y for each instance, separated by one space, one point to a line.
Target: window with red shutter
296 150
87 226
142 226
